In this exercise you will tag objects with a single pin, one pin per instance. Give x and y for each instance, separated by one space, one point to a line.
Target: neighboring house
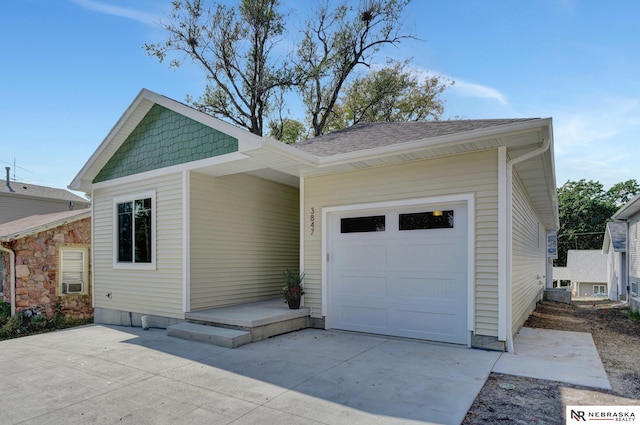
614 247
630 215
431 230
587 272
47 261
19 200
562 277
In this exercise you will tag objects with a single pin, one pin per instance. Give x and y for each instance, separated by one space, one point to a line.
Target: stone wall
37 284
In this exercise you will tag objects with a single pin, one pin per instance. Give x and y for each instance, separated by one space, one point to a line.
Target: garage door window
374 223
426 220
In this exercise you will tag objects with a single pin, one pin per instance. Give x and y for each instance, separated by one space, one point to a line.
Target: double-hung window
74 270
134 231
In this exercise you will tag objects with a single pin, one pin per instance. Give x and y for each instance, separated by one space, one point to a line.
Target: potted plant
293 290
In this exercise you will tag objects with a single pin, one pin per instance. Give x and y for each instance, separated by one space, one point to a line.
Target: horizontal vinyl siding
528 256
244 234
471 173
634 250
17 207
156 292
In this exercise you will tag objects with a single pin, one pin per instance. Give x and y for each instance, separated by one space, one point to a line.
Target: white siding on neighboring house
616 273
14 207
634 254
474 173
156 292
244 233
528 257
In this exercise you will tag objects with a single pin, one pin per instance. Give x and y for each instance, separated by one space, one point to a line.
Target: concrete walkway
569 357
105 375
99 374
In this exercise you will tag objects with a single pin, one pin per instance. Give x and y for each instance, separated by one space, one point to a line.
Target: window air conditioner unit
71 288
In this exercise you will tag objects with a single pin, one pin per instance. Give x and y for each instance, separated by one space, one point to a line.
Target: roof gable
129 122
164 138
629 209
615 236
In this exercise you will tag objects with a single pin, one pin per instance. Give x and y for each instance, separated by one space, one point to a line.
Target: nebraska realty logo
579 414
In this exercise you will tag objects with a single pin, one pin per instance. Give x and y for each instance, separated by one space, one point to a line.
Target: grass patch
33 321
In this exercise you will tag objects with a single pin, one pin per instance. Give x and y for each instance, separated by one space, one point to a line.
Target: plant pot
294 304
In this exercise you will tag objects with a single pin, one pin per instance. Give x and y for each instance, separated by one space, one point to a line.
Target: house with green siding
427 230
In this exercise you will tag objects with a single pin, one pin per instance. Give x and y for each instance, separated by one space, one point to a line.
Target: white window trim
130 198
85 269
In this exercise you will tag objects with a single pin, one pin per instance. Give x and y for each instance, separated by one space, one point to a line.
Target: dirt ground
515 400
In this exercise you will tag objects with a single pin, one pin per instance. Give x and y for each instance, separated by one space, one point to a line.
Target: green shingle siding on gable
162 139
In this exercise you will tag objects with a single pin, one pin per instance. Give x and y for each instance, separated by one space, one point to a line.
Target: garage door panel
363 285
364 319
418 324
422 289
433 257
370 256
410 283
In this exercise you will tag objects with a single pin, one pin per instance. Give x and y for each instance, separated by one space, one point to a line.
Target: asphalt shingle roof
34 223
372 135
618 234
40 191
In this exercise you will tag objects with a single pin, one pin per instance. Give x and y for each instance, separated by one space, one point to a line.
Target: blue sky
70 68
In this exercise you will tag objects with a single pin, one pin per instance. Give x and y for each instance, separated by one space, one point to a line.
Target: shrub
34 320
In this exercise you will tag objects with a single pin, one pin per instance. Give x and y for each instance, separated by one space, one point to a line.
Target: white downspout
12 277
301 230
546 143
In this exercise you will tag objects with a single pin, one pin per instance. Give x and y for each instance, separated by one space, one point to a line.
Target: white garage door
400 272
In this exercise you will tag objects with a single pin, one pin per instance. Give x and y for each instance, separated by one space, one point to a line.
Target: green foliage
391 94
585 208
634 315
5 310
293 288
34 321
287 130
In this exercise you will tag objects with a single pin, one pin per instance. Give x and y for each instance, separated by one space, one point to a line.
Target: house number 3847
312 220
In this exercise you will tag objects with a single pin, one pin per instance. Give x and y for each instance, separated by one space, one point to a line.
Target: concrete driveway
108 374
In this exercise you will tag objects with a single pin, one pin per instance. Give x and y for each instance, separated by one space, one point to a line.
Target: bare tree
335 42
235 48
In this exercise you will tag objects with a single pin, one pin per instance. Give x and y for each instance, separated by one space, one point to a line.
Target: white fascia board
434 142
290 152
79 182
187 166
629 209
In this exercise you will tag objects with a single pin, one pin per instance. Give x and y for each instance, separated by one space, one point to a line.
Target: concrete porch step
230 338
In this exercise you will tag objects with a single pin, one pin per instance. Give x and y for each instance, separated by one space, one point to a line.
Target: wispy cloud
466 88
469 89
598 122
597 141
123 12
